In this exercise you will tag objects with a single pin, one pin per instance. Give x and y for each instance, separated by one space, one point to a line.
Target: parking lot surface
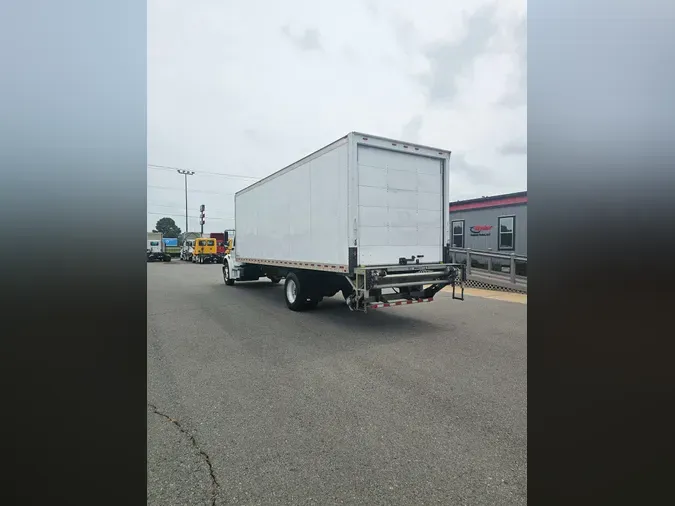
250 403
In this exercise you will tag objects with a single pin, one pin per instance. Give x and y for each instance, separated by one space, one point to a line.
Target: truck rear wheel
294 292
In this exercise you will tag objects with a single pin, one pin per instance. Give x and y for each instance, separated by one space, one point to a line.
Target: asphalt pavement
250 403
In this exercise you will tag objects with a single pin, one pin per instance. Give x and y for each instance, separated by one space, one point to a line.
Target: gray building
497 223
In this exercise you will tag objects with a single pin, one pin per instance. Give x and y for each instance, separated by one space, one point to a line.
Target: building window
458 234
507 232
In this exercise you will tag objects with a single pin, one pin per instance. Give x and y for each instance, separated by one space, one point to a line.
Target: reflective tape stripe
314 266
379 305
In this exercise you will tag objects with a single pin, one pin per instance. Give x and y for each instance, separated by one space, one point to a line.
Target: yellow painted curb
519 298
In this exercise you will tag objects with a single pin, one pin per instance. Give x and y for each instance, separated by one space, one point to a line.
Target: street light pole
186 173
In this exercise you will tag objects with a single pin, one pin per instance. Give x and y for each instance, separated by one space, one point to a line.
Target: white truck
366 216
187 249
155 248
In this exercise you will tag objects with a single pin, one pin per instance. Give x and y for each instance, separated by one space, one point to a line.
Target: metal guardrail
490 255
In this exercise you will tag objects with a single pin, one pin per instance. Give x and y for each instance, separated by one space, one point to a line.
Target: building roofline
506 199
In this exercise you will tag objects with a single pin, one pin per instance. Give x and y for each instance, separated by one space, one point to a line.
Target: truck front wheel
295 293
226 275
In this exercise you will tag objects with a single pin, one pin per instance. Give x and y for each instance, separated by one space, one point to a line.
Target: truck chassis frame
365 288
206 258
158 257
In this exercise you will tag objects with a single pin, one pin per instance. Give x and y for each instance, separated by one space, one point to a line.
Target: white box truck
155 249
366 216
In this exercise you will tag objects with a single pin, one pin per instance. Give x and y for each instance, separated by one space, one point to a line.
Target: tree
167 227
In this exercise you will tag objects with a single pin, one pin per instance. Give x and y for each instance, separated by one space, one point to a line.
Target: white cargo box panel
388 199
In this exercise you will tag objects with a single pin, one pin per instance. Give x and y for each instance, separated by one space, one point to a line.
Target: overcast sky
247 88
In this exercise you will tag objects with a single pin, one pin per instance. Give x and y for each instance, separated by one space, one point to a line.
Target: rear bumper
397 285
399 276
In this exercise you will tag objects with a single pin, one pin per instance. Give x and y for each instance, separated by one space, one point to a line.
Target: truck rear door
400 206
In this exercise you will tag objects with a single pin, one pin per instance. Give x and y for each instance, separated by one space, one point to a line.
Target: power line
168 168
152 204
181 189
162 205
182 215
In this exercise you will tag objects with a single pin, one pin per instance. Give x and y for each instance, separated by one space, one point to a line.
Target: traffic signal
202 214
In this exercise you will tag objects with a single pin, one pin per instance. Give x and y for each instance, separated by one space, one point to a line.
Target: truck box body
360 201
156 249
155 242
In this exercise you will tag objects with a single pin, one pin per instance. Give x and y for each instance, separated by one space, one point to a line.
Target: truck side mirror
226 237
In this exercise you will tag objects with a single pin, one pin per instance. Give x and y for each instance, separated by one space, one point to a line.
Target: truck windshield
210 243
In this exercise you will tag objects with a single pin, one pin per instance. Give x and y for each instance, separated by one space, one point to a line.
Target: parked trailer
171 246
365 216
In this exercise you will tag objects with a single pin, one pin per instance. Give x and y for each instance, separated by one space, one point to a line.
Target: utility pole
186 173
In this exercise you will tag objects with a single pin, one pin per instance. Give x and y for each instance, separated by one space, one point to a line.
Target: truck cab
205 251
229 241
155 251
221 246
187 250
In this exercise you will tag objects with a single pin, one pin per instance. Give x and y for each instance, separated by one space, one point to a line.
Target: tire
226 275
294 293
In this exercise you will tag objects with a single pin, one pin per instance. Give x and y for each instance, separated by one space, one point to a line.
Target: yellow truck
205 251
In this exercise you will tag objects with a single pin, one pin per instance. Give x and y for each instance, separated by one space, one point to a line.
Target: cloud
518 96
450 60
308 41
473 172
514 148
411 130
246 88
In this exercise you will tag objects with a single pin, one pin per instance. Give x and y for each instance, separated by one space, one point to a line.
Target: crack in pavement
215 486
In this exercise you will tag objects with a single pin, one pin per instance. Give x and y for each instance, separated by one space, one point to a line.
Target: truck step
402 302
